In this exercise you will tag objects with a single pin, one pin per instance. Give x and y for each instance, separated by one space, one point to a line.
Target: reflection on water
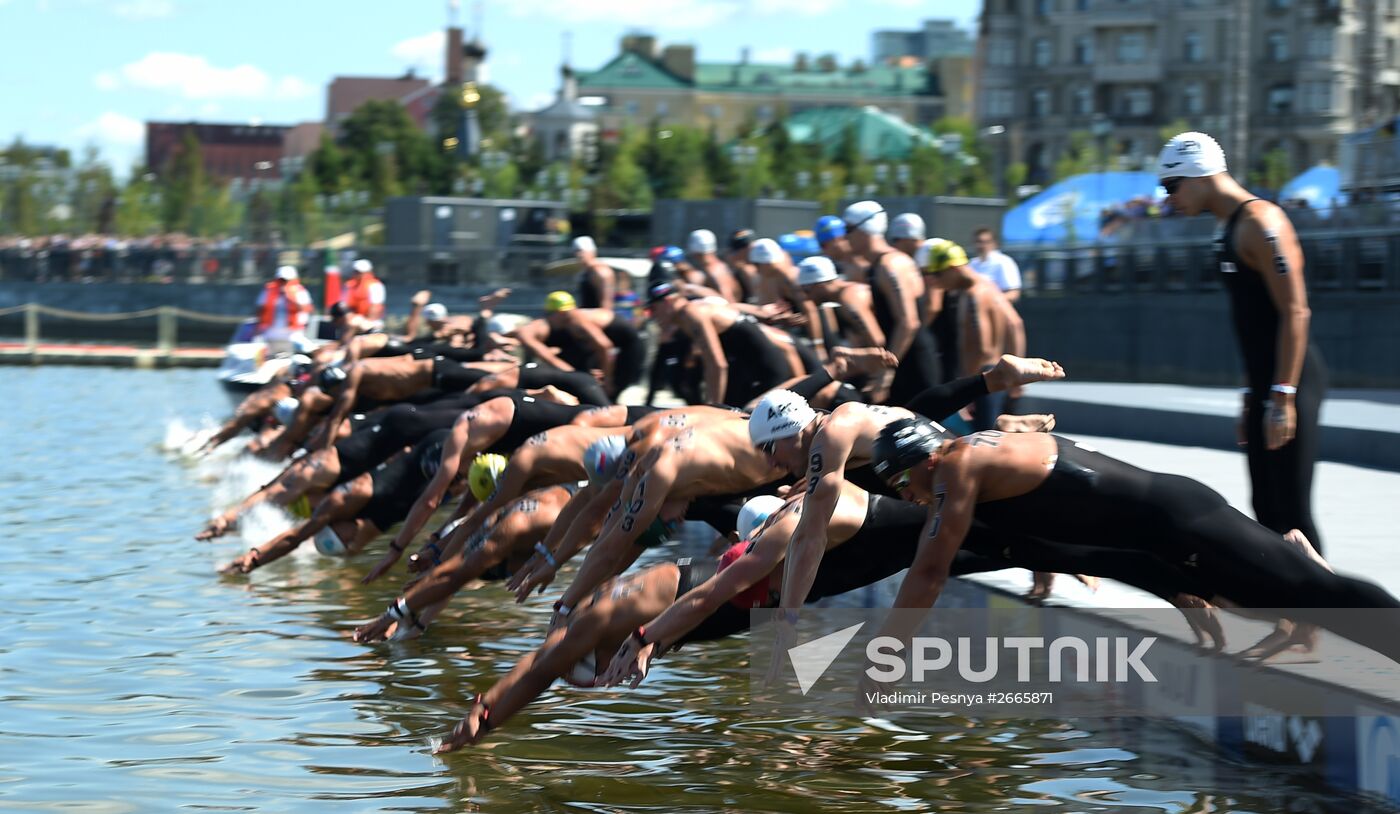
133 678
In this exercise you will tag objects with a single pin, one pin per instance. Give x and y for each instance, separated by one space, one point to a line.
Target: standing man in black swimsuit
596 280
899 303
1261 265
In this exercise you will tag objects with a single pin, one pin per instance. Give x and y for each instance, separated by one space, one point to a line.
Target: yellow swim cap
559 301
941 254
485 471
301 507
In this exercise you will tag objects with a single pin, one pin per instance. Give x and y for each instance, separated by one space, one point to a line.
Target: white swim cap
286 273
584 243
701 241
1190 155
816 269
907 225
584 673
362 265
285 411
780 414
435 312
866 216
329 543
764 250
755 513
602 457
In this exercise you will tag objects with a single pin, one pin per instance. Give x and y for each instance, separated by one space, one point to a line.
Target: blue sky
80 72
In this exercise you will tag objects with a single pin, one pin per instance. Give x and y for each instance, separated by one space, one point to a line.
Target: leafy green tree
1082 156
182 186
138 209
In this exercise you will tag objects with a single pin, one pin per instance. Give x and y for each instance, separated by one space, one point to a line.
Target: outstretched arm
610 554
826 472
342 406
576 524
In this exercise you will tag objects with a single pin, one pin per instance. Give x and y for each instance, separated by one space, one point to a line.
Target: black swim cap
904 443
338 310
332 378
660 292
740 239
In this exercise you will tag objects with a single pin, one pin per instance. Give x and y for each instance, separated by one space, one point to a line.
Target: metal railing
397 264
1361 260
159 327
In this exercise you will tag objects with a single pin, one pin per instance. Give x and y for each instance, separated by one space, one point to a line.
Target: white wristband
399 610
547 554
1286 389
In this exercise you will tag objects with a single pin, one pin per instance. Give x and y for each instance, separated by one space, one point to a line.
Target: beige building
1257 74
643 84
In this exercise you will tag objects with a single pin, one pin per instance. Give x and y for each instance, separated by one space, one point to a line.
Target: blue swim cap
830 227
673 253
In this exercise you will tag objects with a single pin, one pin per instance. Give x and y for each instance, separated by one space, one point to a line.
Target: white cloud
425 53
144 9
640 13
114 129
807 8
118 138
780 54
192 77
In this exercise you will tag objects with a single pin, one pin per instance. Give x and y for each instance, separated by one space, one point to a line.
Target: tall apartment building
937 38
1257 74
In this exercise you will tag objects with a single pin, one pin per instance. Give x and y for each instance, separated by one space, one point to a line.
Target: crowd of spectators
156 258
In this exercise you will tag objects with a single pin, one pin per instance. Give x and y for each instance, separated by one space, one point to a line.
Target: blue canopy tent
1320 187
1071 209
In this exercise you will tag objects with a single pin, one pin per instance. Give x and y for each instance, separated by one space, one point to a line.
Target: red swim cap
754 596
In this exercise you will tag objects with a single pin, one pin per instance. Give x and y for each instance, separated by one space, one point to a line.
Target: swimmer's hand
428 556
535 575
633 660
382 567
376 631
244 564
217 527
493 299
1280 421
469 731
785 638
421 298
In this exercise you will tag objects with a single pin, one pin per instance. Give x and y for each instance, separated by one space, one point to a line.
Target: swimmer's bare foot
1300 540
1013 371
551 393
1026 423
1286 636
1203 619
1042 584
1092 583
851 361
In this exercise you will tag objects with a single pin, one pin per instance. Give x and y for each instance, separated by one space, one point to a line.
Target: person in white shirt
995 265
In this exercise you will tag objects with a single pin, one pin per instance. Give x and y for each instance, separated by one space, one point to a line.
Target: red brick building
229 150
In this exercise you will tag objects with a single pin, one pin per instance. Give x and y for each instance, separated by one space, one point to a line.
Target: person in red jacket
364 294
283 306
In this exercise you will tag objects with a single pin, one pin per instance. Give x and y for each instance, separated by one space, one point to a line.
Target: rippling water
133 678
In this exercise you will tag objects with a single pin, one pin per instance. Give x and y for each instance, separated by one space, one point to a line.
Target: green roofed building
879 135
642 84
